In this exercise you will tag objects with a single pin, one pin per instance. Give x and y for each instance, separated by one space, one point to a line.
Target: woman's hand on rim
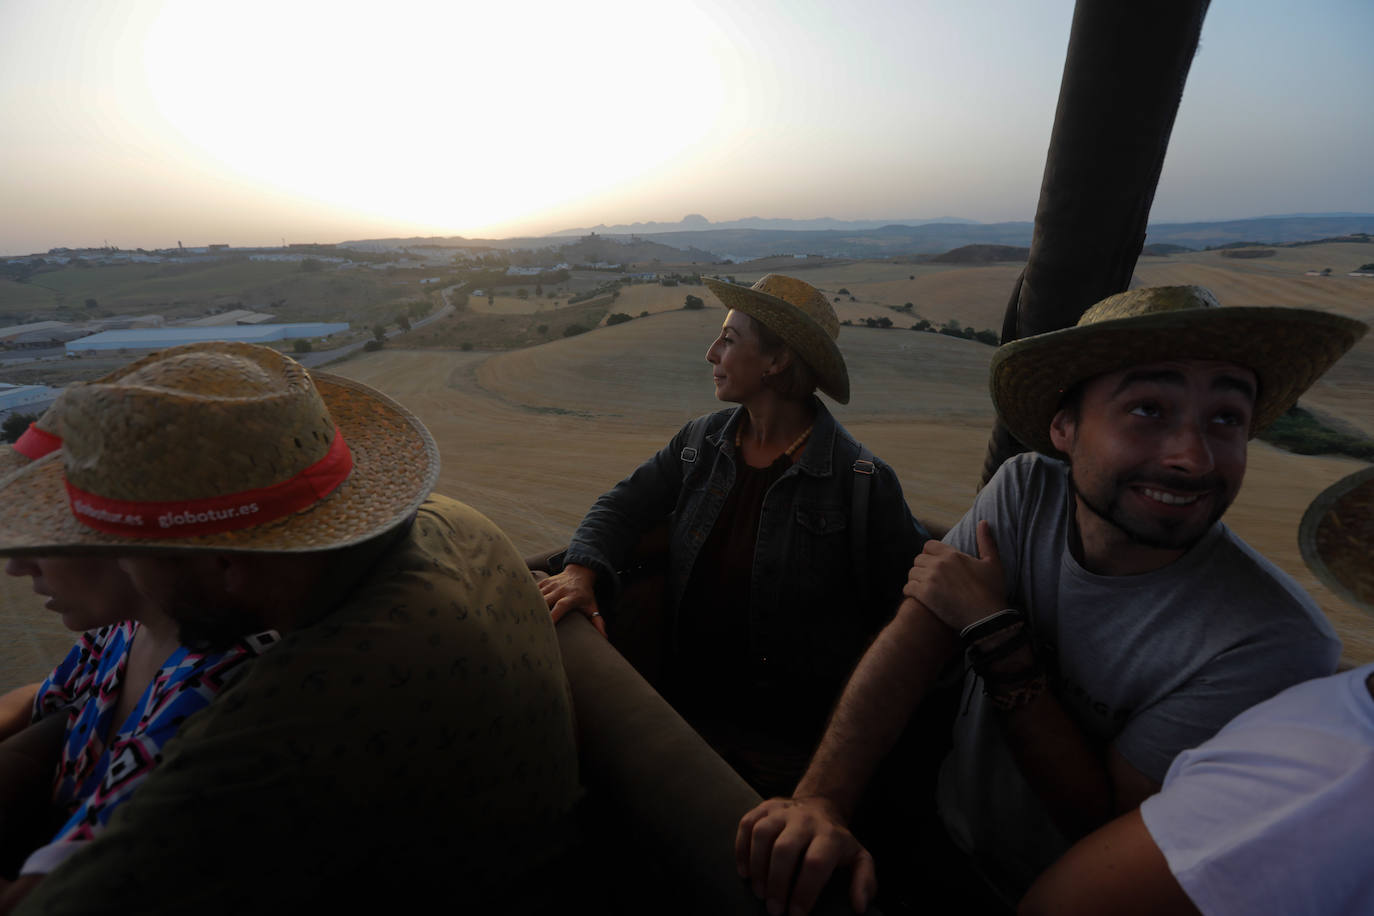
574 589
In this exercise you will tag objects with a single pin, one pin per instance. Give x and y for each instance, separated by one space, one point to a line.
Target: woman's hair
797 381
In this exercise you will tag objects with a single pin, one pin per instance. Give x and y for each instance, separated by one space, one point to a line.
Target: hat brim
797 329
1336 537
395 466
1288 349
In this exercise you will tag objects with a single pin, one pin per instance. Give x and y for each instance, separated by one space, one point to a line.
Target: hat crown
804 297
1153 300
192 423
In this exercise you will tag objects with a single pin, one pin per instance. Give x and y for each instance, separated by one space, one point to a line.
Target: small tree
539 289
379 332
573 330
988 336
543 329
372 346
693 302
403 322
14 426
91 304
300 345
617 318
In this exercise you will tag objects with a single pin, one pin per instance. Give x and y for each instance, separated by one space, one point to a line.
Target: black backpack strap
858 517
691 452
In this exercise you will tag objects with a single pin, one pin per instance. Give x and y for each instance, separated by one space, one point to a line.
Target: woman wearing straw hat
788 541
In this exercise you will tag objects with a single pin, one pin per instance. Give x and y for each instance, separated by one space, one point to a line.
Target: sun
443 115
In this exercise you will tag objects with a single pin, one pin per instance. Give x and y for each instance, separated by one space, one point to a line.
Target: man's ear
1063 430
782 361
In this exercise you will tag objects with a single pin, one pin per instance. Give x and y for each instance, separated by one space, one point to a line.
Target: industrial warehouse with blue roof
157 338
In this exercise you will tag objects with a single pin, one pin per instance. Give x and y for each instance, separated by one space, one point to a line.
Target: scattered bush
617 318
923 325
989 337
14 425
543 329
573 330
300 345
466 345
379 332
843 291
693 302
1303 432
883 322
372 346
403 322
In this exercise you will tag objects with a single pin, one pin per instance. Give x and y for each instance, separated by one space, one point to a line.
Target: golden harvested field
973 295
531 437
641 297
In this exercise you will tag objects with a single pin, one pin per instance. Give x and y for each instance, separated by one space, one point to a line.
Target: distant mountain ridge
695 222
719 242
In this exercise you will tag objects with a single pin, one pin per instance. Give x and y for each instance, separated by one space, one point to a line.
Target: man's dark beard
1212 483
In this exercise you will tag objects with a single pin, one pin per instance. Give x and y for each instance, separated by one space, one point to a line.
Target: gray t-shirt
1152 664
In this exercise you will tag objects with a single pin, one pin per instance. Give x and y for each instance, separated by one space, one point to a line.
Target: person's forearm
892 677
1066 771
16 710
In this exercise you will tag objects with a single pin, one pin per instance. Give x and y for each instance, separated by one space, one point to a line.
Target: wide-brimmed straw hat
218 447
1337 538
35 442
1287 348
801 315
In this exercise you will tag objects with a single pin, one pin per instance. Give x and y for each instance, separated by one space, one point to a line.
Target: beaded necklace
790 449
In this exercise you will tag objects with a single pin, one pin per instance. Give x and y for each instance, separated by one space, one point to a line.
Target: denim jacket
806 614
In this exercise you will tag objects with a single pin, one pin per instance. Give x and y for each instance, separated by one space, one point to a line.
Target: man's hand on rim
805 838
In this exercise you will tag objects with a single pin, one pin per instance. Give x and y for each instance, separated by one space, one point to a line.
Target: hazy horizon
146 123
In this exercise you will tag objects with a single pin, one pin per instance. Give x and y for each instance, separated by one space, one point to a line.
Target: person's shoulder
1030 472
1266 591
712 422
1254 572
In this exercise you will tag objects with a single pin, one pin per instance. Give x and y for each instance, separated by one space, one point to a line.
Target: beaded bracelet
1030 685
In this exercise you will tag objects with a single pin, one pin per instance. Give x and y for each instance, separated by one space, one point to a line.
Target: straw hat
35 442
223 447
1337 538
1288 349
799 314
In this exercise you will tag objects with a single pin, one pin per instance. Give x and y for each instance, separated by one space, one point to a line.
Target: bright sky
144 122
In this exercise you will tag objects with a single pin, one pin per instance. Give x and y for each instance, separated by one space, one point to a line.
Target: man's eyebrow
1173 377
1156 376
1234 383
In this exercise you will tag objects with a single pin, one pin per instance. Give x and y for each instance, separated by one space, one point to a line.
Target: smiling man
1108 618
